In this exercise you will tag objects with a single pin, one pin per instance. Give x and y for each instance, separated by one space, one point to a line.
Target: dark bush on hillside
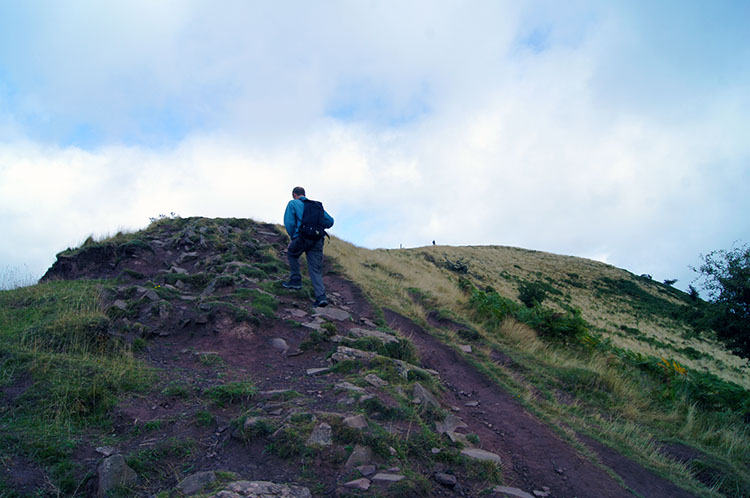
531 294
563 327
492 308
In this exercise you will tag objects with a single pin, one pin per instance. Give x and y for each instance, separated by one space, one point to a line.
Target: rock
120 305
344 353
361 455
382 336
262 489
178 270
374 380
477 454
313 326
317 371
356 422
151 295
296 312
366 470
210 289
362 484
424 397
350 387
113 472
449 424
515 492
540 494
472 404
403 368
465 348
279 343
457 437
195 482
106 450
332 313
444 479
382 477
321 435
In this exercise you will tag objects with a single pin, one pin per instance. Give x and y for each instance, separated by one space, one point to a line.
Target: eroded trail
534 456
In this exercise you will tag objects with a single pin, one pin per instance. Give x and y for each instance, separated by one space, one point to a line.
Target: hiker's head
297 191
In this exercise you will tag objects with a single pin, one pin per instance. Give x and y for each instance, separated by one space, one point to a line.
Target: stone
540 494
482 455
106 450
383 477
444 479
424 397
321 435
120 305
361 455
374 380
317 371
151 295
344 353
313 326
195 482
263 489
350 387
366 470
472 404
377 334
465 348
332 313
514 492
296 312
362 484
457 437
113 472
279 343
356 421
449 424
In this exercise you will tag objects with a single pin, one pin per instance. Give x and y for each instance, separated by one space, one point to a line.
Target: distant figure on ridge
305 221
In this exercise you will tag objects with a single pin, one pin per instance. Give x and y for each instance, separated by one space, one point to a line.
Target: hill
171 361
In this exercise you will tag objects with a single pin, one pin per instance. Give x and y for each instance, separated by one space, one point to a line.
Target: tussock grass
64 371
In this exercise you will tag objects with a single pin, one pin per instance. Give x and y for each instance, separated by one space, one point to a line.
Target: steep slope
216 375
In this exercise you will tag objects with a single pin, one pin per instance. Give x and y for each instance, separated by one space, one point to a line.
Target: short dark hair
298 191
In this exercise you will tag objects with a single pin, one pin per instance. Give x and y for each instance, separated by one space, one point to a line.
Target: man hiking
305 222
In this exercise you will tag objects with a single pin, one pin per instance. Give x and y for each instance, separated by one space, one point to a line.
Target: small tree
726 275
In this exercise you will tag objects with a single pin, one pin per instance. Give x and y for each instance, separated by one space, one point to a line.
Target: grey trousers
314 254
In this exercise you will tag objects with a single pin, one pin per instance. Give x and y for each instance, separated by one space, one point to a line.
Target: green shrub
531 294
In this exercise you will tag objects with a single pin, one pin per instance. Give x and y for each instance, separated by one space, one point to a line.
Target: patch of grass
204 418
252 272
153 462
233 392
262 303
196 280
288 443
211 360
177 390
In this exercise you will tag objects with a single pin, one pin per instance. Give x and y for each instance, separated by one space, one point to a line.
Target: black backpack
311 226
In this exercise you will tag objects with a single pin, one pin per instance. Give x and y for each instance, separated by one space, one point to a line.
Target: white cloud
484 124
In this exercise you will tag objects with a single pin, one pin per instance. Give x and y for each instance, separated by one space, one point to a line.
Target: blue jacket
293 216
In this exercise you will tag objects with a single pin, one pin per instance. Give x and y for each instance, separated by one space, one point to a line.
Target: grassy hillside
159 344
627 365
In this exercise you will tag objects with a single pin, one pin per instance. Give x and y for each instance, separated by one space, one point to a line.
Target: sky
612 130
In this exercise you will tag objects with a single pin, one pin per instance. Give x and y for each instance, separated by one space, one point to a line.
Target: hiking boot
320 303
290 285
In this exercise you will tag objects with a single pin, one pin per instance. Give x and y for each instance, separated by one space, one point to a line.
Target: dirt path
534 456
